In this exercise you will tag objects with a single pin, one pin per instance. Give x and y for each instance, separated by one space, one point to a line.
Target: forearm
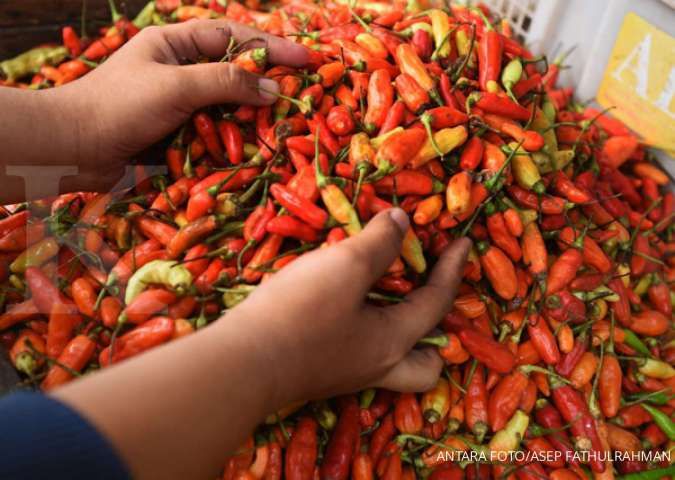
178 411
40 134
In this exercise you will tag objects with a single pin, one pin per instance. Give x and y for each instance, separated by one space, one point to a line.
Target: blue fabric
43 438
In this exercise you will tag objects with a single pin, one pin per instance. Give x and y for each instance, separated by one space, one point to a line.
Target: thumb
374 249
418 371
216 83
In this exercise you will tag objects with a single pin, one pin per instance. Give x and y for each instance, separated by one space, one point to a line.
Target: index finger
211 38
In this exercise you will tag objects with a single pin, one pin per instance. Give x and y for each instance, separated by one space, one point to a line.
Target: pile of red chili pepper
561 338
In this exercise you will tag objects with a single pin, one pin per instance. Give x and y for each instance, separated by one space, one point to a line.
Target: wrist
76 134
244 336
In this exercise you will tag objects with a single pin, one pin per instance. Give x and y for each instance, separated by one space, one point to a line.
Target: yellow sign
640 81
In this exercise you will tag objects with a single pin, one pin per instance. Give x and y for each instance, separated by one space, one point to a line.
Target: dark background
27 23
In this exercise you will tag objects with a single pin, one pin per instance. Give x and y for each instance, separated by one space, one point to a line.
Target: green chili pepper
542 124
324 415
662 420
549 109
657 398
511 75
35 255
237 294
145 16
165 272
634 342
32 60
367 397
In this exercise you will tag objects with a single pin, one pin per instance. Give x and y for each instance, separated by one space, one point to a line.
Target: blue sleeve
43 438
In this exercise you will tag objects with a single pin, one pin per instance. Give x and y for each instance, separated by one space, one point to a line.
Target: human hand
319 336
152 85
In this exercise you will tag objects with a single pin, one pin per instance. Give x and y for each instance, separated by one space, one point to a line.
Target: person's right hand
320 338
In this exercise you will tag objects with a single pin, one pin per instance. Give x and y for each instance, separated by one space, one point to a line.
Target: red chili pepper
563 270
14 221
549 205
476 404
493 354
267 250
499 105
659 296
129 262
148 303
62 321
566 188
408 414
394 117
288 226
505 398
85 296
110 310
152 228
230 135
412 94
621 308
543 339
569 360
341 447
548 417
381 437
340 120
302 208
103 47
575 412
398 149
45 294
317 125
408 182
526 85
499 270
490 50
301 452
148 335
380 99
472 154
206 129
71 41
74 356
500 234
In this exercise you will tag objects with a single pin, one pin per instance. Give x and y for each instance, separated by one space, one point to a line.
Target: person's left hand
152 85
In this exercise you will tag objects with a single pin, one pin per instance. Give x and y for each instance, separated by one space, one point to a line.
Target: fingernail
267 89
401 219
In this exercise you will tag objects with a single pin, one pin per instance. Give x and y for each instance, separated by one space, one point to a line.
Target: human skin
307 333
138 96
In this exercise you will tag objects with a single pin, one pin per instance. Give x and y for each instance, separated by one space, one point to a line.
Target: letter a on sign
640 81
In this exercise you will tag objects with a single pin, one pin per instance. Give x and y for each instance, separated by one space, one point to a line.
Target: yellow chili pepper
508 439
446 140
341 209
161 272
541 124
237 294
440 28
656 369
409 62
411 252
35 255
31 61
465 46
525 171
